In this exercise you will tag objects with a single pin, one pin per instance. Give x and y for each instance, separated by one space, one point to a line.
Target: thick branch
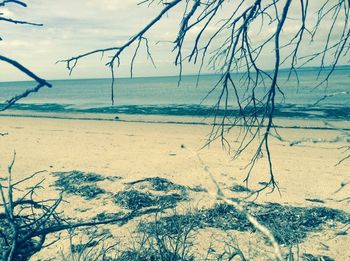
40 82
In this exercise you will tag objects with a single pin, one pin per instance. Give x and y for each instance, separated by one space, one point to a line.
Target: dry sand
135 150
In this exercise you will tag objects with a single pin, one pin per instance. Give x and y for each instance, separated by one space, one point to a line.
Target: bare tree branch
21 3
72 62
40 83
13 21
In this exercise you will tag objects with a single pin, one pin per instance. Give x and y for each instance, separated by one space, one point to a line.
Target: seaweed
310 257
150 255
239 188
198 188
79 183
107 216
157 184
150 192
290 225
135 200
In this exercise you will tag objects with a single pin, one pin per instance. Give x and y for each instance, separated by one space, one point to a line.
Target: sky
74 27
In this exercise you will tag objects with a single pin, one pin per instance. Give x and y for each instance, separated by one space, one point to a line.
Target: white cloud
112 5
7 13
14 44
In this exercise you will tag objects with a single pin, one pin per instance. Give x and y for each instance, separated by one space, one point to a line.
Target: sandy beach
133 150
174 130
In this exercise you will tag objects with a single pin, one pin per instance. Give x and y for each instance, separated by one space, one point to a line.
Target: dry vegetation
161 232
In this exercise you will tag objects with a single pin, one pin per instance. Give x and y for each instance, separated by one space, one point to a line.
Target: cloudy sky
72 27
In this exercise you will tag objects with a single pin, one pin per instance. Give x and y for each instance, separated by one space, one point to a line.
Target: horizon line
177 75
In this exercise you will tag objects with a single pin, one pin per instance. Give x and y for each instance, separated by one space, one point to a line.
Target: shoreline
280 122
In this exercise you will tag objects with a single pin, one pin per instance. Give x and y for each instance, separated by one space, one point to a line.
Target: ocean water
163 96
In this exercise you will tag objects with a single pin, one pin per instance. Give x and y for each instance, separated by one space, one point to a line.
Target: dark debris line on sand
79 183
151 192
290 225
239 188
157 184
134 200
310 257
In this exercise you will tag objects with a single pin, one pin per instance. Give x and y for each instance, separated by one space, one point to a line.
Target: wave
284 110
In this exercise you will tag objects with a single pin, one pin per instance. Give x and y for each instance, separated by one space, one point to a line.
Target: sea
302 97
